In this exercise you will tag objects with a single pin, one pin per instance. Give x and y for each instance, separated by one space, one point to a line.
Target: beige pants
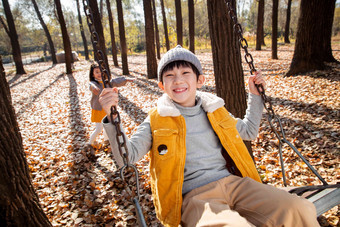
235 201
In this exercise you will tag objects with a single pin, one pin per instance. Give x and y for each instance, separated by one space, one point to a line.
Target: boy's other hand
256 79
108 98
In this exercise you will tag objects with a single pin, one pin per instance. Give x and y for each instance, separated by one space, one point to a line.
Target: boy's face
180 83
97 74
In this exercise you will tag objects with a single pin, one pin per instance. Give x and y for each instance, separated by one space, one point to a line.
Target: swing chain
120 138
273 119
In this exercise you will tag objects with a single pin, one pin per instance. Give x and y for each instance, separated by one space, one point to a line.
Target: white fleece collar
210 103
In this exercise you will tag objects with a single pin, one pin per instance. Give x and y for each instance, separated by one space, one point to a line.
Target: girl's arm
94 89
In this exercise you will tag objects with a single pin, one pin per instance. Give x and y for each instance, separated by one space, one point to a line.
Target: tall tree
229 78
165 26
313 38
19 204
82 32
66 38
122 37
112 34
287 26
99 29
47 33
150 43
16 52
191 9
179 22
260 20
158 48
274 28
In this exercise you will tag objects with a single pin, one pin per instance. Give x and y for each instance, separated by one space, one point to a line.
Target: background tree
151 61
66 38
122 37
313 43
191 9
99 29
82 32
19 204
158 48
274 28
165 26
112 34
289 6
260 20
16 52
179 22
47 33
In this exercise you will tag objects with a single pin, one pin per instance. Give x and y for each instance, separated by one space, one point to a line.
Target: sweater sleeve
248 126
138 145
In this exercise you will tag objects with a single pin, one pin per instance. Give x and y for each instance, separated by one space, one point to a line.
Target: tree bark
260 20
99 29
47 33
16 52
150 43
158 48
19 204
229 78
274 28
313 38
66 39
122 37
165 26
287 26
112 34
179 22
191 9
86 50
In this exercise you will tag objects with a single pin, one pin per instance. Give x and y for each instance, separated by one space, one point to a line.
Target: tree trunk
150 43
260 20
229 78
287 27
274 28
122 37
165 26
86 50
179 22
47 33
191 9
66 39
19 204
313 43
112 34
158 48
99 29
16 52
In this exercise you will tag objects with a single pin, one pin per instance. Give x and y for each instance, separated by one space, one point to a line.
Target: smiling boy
201 172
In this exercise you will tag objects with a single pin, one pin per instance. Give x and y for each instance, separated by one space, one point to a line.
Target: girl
96 86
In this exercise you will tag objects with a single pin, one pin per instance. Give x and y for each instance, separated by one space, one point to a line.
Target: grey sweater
201 167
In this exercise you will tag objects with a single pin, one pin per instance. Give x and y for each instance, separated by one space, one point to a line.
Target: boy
196 153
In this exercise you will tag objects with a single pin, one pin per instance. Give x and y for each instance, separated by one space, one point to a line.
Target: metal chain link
273 119
120 138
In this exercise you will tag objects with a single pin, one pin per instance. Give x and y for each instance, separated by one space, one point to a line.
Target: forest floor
78 187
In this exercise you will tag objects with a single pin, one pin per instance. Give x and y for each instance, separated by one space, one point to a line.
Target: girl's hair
93 66
178 64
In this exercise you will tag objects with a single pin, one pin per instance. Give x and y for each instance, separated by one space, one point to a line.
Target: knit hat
178 54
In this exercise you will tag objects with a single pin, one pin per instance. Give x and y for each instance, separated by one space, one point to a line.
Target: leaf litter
79 186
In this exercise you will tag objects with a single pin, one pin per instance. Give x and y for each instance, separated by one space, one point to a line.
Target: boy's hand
109 97
256 79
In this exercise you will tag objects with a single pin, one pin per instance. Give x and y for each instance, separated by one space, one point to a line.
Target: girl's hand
108 98
256 79
95 90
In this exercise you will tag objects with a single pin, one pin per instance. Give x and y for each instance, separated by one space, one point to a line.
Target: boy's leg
206 206
265 205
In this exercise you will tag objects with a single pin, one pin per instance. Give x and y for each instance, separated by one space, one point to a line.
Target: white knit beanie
178 54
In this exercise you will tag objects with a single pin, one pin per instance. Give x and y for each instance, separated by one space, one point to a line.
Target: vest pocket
230 127
164 143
